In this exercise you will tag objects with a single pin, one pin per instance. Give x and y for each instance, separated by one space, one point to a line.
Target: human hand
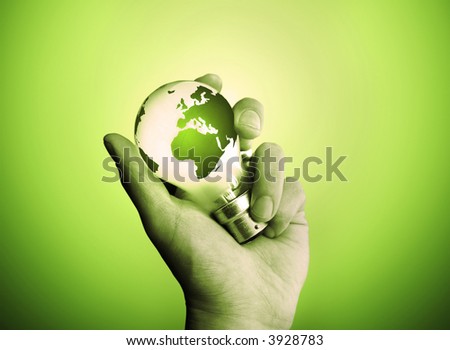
227 285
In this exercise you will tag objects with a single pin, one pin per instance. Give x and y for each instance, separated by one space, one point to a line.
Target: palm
214 270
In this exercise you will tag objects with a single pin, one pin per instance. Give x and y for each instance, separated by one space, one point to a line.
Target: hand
227 285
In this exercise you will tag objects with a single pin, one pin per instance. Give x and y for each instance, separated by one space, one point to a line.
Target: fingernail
251 119
262 208
269 232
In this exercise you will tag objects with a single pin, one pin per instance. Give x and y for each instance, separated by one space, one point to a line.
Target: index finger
248 121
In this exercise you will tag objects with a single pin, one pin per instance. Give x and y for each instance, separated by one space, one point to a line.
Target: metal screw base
235 216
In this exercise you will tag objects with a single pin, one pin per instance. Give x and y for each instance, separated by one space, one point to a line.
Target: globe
185 133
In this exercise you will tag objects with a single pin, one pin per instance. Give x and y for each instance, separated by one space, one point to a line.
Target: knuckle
302 198
292 185
249 103
292 181
274 149
269 157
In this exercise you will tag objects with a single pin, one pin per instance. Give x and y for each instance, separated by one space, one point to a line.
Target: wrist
220 317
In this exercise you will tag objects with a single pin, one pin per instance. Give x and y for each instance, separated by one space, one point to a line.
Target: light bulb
185 133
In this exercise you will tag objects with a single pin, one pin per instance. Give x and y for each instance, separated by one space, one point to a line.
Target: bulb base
235 217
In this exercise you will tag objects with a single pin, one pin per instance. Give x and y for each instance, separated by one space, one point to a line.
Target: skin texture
227 285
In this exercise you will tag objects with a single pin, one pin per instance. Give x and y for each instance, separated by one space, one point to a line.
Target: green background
370 79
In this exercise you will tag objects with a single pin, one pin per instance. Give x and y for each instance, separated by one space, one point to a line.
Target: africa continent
206 129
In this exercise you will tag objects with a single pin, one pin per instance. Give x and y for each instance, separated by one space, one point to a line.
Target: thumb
146 191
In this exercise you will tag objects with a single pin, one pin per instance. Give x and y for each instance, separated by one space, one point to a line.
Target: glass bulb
185 133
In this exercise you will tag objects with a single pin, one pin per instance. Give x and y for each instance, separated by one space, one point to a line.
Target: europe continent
205 130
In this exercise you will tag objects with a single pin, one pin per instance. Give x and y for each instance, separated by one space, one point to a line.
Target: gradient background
370 79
